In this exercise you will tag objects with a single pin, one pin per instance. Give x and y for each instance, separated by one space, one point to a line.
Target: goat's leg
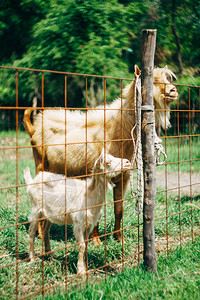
47 226
39 166
95 236
32 232
40 230
119 192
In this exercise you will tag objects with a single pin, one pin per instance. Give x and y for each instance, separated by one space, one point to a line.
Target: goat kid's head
113 166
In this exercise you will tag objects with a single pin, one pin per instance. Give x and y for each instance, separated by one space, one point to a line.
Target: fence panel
176 214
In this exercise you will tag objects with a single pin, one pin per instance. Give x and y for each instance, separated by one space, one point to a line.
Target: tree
16 22
90 36
78 36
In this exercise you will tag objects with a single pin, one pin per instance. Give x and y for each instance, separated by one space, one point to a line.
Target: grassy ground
181 150
178 277
169 233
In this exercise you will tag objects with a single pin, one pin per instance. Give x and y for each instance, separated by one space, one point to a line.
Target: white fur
59 196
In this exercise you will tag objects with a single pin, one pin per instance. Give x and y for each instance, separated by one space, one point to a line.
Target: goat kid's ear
101 157
102 152
137 71
100 161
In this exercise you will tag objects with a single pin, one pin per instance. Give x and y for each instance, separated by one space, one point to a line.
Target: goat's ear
137 71
166 67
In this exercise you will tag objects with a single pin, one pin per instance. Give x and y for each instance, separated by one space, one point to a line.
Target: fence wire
178 182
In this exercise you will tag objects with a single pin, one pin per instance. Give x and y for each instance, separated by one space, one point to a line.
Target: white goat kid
59 196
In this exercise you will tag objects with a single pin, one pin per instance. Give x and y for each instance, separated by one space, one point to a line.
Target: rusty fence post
148 151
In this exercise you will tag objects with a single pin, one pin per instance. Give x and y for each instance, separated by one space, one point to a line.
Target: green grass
180 150
177 278
135 280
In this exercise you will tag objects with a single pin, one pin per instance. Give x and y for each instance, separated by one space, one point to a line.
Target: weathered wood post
148 151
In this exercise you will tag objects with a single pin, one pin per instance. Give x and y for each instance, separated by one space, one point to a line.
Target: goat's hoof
119 238
40 235
40 231
96 241
51 257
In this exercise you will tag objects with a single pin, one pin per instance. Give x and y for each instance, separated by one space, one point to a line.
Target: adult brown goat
62 127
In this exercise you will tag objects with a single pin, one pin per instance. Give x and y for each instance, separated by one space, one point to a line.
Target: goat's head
164 92
113 166
163 88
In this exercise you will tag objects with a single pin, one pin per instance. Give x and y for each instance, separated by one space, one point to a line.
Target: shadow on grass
57 233
187 199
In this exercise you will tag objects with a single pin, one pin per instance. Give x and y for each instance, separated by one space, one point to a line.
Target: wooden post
148 151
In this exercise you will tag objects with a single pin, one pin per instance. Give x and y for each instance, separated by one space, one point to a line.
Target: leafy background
102 37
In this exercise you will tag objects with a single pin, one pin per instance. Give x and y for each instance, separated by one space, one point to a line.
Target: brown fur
71 158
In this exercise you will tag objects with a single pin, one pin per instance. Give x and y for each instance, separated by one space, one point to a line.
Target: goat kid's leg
81 268
32 232
119 192
79 235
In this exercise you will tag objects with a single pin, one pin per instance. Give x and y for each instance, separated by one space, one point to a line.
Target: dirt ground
183 181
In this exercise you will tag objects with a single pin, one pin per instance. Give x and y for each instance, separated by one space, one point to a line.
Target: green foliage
16 22
188 14
189 96
90 36
76 29
58 34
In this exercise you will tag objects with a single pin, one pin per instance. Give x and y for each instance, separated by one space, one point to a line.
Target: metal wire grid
69 280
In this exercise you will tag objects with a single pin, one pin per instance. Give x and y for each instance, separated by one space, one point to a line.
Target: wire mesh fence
68 132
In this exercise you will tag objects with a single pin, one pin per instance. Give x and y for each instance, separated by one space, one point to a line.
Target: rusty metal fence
178 189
